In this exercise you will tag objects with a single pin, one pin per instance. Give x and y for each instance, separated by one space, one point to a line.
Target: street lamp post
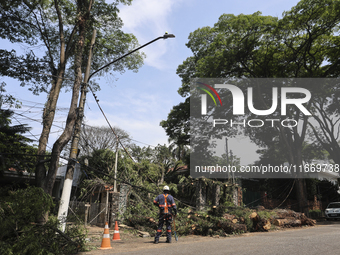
165 36
66 193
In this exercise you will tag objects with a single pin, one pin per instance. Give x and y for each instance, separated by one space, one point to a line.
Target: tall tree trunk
216 194
43 180
73 113
48 117
162 175
201 196
293 142
50 108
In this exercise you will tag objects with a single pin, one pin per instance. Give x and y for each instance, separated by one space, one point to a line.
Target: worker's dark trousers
167 218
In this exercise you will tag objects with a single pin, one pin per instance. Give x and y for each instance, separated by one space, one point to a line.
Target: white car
333 211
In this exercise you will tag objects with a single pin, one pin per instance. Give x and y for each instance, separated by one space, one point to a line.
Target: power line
128 138
66 108
101 172
109 123
94 97
35 119
126 182
97 101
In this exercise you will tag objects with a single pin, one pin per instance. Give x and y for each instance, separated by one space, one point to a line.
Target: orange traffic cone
106 243
116 236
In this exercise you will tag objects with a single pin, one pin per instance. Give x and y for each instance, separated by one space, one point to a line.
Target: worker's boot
168 237
158 235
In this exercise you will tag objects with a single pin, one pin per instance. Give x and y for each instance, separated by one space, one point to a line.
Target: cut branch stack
260 224
289 218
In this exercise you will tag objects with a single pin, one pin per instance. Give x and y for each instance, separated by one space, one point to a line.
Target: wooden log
260 208
261 224
307 221
286 213
287 222
253 216
151 219
228 216
289 214
266 225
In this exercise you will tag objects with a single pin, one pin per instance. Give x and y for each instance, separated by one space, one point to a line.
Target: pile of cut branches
224 221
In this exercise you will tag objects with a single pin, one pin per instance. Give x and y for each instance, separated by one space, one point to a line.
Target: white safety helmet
166 188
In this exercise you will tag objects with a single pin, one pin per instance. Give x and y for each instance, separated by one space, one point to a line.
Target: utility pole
115 182
227 153
65 197
1 90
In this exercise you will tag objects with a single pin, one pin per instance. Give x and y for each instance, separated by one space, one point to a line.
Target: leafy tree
159 161
179 151
177 126
15 149
19 210
303 43
99 138
60 33
326 131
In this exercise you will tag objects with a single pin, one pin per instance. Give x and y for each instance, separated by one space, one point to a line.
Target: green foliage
315 214
20 211
264 214
243 213
176 126
7 99
13 145
146 177
142 223
202 223
145 210
36 24
303 43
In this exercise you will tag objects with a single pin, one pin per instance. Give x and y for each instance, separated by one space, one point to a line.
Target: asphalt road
322 239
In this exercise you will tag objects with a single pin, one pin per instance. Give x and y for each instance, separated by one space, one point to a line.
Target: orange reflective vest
165 201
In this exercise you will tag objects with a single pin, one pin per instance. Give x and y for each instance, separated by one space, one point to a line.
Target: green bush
20 211
266 214
314 214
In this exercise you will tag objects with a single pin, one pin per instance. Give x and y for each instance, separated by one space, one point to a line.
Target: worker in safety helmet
167 208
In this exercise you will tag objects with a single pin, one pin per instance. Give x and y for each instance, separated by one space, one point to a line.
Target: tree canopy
302 44
57 36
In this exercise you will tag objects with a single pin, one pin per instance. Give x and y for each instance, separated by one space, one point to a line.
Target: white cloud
147 13
147 20
138 112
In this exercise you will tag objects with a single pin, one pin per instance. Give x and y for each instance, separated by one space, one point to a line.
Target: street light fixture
165 36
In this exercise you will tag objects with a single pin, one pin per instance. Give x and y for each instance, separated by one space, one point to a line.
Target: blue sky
137 102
